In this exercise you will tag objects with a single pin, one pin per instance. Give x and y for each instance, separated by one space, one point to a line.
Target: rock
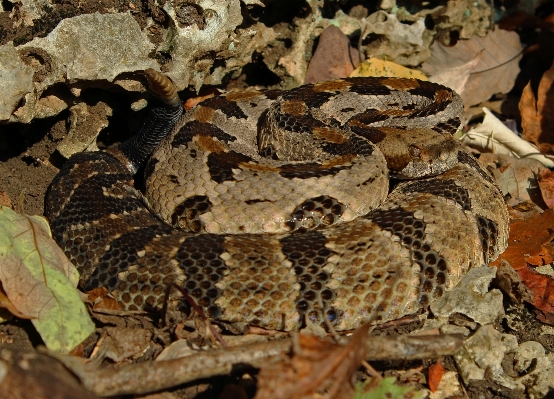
491 354
16 80
91 48
29 10
404 44
527 353
484 352
206 25
449 387
541 380
471 297
85 124
95 47
293 64
238 52
468 17
50 105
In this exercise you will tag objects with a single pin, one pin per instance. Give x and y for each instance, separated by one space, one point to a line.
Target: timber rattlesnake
267 239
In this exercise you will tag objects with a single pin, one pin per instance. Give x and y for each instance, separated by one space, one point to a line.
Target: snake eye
414 151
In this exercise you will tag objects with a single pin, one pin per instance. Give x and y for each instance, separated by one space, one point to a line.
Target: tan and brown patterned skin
337 241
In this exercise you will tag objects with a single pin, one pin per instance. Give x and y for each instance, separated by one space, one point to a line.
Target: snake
348 200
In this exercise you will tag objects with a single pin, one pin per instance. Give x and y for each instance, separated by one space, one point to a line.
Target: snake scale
272 208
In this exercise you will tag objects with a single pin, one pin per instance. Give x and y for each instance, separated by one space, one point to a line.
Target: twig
200 313
371 371
153 376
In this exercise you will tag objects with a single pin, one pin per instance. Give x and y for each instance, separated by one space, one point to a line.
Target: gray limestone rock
16 80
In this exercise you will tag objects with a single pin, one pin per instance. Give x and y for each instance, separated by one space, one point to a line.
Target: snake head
418 153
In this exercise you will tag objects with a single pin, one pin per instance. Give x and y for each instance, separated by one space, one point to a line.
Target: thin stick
153 376
200 312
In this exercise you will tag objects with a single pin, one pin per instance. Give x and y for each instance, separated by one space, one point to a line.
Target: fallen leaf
8 305
122 343
388 388
192 102
518 180
333 58
493 136
40 281
436 371
415 375
456 77
537 114
543 289
546 184
495 72
530 116
101 299
527 240
377 67
176 350
315 366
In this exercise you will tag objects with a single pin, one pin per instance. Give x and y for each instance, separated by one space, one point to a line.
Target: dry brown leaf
315 366
543 289
530 120
546 184
436 371
101 299
204 95
456 78
518 180
528 242
537 113
495 72
334 57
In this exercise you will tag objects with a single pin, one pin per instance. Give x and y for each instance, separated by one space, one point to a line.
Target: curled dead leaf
537 113
314 366
546 184
527 240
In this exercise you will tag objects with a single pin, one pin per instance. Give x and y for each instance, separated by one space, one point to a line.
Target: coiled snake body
272 204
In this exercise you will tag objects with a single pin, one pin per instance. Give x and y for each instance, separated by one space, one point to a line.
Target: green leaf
387 388
40 281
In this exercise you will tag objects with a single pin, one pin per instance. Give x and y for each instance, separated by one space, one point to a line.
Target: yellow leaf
377 67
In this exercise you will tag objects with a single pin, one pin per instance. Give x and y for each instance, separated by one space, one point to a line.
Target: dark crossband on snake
273 208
